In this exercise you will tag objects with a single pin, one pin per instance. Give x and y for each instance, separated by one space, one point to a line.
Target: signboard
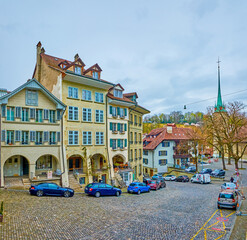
49 174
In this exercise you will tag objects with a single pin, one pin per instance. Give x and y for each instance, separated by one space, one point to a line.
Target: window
113 111
131 136
140 153
44 162
87 138
17 136
53 116
10 114
59 115
18 112
118 93
46 136
52 138
78 70
86 95
145 160
140 120
121 112
131 118
131 154
99 140
38 140
73 137
99 116
32 136
113 126
113 144
162 162
145 152
165 144
39 114
96 75
46 114
135 119
120 143
10 137
86 115
162 153
99 97
135 153
140 169
32 113
73 113
58 136
25 115
24 138
73 92
31 98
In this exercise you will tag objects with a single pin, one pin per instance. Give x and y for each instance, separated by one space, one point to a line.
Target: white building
160 149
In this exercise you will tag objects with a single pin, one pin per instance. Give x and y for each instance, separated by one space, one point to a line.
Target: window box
114 131
122 148
122 132
122 116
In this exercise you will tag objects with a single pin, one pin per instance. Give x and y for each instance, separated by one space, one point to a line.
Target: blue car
50 189
137 187
102 189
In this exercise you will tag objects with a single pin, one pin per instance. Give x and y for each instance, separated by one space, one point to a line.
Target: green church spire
220 106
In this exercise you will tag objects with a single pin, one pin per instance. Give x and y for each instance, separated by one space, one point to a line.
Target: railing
78 171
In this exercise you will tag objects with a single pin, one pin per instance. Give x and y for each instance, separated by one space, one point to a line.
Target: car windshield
90 185
226 195
216 170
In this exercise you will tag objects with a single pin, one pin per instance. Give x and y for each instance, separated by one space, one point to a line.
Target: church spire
219 107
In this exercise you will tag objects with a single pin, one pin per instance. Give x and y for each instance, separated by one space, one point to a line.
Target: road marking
221 236
212 224
229 214
205 235
204 225
222 217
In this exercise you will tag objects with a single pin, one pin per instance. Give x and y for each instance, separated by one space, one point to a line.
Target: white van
201 178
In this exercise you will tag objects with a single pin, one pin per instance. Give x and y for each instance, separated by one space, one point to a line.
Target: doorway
75 163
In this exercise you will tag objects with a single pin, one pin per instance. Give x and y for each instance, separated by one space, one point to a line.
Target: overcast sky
166 51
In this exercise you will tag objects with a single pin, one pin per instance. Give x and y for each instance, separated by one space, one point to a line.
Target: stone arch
16 165
77 161
118 160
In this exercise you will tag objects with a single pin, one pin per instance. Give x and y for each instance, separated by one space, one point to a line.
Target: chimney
42 50
76 56
169 129
3 91
38 61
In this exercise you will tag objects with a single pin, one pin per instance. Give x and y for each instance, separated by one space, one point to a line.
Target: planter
1 218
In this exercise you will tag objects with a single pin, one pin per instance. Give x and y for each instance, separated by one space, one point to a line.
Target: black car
50 189
206 170
182 179
218 173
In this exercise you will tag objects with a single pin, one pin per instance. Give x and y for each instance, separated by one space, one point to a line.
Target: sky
166 51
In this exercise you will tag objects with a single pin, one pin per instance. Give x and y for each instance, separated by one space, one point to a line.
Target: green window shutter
111 142
118 110
125 127
125 111
110 125
110 109
118 126
125 142
3 110
118 142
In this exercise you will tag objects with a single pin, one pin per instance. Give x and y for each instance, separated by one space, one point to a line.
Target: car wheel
66 194
218 206
97 194
139 192
40 193
117 193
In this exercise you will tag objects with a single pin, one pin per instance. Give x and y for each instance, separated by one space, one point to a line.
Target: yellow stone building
136 113
31 135
85 94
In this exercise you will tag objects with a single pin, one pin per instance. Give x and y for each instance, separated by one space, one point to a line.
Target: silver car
170 178
229 185
228 199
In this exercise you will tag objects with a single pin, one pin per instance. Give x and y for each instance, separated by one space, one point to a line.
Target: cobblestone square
176 212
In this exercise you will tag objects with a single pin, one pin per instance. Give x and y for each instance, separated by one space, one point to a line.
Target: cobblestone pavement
177 212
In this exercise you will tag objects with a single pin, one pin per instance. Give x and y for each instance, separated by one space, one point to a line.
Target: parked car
228 185
170 178
154 184
146 179
218 173
228 199
182 179
201 178
161 179
206 170
50 189
102 189
137 187
158 174
191 169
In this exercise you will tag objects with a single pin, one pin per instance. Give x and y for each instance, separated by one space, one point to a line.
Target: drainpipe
106 111
62 144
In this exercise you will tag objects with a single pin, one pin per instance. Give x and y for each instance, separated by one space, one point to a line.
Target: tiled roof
92 68
117 98
156 136
130 94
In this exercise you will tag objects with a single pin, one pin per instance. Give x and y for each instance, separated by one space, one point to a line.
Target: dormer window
118 93
78 70
96 75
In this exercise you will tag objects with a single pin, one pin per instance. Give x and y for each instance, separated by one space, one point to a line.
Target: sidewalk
239 231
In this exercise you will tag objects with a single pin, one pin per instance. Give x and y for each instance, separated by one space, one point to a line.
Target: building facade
31 134
136 113
161 149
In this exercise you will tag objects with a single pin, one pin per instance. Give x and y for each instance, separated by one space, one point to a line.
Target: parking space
176 212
